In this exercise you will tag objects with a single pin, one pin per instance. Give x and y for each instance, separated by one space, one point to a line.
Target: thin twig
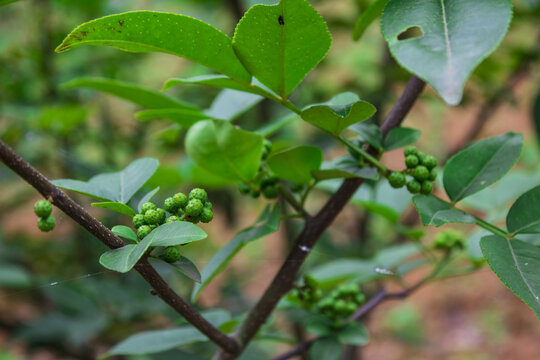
107 237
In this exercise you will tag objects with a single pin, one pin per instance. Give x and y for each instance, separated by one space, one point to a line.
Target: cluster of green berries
307 294
342 302
193 208
420 167
264 182
449 240
43 210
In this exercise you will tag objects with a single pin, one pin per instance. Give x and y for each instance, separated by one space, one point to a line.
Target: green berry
350 308
411 161
180 199
421 173
46 224
138 221
143 231
270 192
170 255
179 212
243 188
194 207
317 294
449 239
410 150
254 193
148 206
269 181
427 187
430 162
173 218
152 217
360 299
43 208
170 205
340 307
198 193
433 174
397 180
296 188
421 157
208 205
192 219
161 216
414 187
310 281
206 215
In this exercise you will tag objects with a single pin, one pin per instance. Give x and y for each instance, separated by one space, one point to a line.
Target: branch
313 229
107 237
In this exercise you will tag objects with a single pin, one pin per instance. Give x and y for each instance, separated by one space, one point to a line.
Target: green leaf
225 150
524 215
219 81
267 223
150 31
456 37
332 121
400 137
353 334
326 348
367 17
296 164
115 206
187 268
115 187
516 263
229 104
274 126
126 233
146 198
320 325
369 133
481 165
136 94
176 233
279 44
5 2
14 276
125 258
436 212
344 167
184 117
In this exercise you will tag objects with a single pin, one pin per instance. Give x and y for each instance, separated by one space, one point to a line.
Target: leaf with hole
151 31
524 215
481 165
296 164
114 187
279 44
225 150
516 263
436 212
455 37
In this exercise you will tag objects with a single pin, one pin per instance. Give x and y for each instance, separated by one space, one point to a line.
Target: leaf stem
289 197
490 227
371 159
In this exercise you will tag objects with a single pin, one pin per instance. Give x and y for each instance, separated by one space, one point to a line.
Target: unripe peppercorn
269 181
270 192
161 215
433 174
310 281
138 221
192 219
42 208
340 307
170 205
206 215
198 193
143 231
148 206
173 218
410 150
171 255
411 161
180 199
243 188
414 187
421 173
430 162
427 187
397 180
194 207
255 193
152 217
421 157
360 299
351 308
46 224
208 205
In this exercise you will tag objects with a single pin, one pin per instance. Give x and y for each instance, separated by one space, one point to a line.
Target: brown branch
313 229
107 237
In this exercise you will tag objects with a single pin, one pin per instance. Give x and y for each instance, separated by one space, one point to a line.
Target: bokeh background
57 302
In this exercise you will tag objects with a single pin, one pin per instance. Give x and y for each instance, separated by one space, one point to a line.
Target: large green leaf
480 165
457 36
367 17
124 259
436 212
516 263
267 223
224 149
326 348
524 215
296 164
150 31
279 44
115 187
176 233
139 95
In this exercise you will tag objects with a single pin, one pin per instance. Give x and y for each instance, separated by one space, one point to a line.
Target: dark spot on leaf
411 33
121 22
84 33
280 20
